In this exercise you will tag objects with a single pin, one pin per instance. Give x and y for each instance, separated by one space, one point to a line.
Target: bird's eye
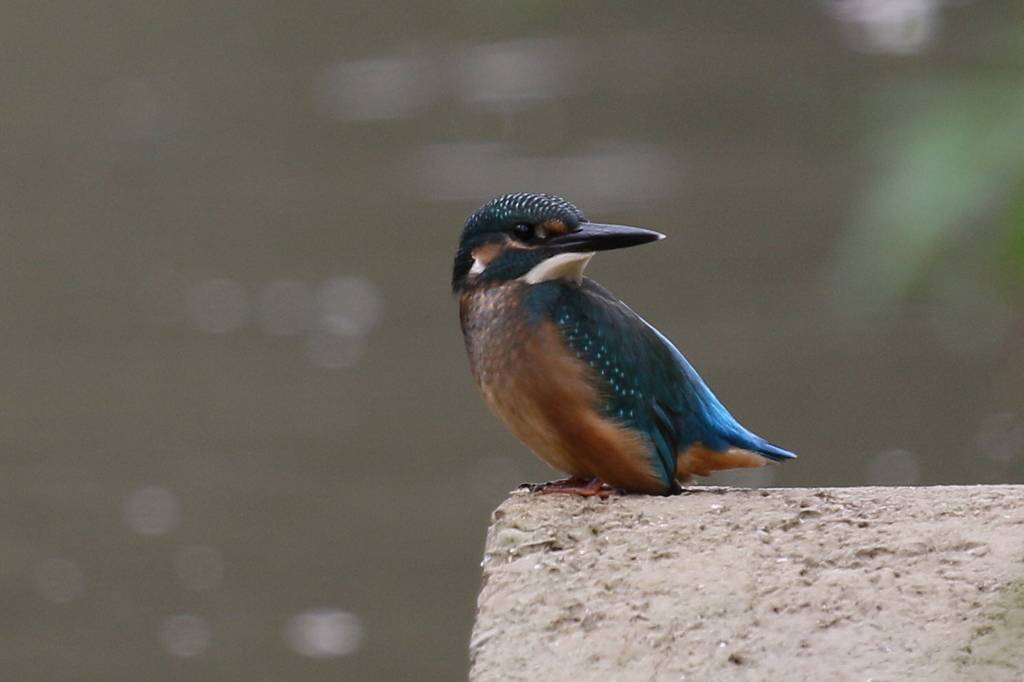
523 232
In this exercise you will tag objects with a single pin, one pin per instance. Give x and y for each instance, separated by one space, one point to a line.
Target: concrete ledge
725 584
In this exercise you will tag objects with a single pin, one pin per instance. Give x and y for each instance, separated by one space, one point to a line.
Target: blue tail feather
754 443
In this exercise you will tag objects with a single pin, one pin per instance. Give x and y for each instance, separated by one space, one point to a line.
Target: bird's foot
574 485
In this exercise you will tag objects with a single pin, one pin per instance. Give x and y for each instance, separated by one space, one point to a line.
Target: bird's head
534 237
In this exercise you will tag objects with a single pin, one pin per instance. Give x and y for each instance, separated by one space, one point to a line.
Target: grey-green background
238 439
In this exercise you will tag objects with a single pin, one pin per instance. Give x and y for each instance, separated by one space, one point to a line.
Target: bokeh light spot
324 633
347 308
515 72
152 510
198 567
218 306
894 467
354 299
185 635
373 89
59 580
898 27
335 343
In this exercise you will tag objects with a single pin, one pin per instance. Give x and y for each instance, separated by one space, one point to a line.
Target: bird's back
645 381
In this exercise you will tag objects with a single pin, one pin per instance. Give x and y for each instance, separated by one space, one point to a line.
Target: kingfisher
577 376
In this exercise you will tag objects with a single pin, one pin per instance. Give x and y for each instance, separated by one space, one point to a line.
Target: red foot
574 486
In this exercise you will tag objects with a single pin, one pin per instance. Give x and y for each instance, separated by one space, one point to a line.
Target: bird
577 376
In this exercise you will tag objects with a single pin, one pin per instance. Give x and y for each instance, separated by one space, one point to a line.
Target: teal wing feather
645 382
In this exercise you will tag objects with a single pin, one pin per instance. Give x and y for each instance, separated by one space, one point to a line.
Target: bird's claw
574 486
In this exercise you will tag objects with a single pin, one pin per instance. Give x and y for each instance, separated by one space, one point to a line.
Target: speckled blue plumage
645 382
525 207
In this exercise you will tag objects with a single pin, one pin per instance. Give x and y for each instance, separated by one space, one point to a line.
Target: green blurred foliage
947 169
1015 232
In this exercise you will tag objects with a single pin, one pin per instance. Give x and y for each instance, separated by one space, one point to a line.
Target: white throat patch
563 266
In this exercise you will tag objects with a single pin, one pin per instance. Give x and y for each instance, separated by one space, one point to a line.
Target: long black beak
597 237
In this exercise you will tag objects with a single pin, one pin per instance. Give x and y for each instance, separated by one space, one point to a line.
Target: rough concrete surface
882 584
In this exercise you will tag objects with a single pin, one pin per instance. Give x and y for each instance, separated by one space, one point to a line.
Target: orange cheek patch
486 253
554 227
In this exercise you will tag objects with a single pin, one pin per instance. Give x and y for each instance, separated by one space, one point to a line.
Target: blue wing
646 383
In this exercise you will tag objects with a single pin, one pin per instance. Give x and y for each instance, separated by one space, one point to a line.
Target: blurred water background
238 437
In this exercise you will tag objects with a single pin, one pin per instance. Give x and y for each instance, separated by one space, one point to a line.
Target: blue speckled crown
524 207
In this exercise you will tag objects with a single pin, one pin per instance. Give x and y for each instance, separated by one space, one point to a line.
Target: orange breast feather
548 398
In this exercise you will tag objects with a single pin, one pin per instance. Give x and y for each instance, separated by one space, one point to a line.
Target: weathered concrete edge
549 529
